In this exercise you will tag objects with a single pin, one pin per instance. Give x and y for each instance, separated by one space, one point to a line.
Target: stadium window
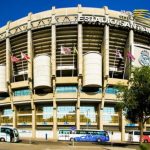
21 92
111 90
66 89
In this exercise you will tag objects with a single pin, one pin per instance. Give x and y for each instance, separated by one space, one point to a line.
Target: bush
144 147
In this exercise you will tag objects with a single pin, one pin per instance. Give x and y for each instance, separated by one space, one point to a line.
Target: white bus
87 135
8 134
134 136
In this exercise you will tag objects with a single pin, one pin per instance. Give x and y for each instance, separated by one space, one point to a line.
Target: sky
11 10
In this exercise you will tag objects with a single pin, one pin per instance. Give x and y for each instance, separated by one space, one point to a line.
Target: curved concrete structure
3 84
92 76
42 71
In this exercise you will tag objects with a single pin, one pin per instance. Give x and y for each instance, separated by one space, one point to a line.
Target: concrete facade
74 28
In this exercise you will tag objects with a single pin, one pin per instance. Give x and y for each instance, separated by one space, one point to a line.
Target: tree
135 99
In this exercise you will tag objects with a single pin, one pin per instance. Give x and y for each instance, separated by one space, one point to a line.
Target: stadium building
59 69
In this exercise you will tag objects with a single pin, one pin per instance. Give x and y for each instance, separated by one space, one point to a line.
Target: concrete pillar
105 52
33 121
131 44
30 51
9 70
53 61
105 66
80 39
78 105
53 48
8 55
128 47
14 116
54 111
53 52
8 63
80 56
100 116
80 68
30 74
122 125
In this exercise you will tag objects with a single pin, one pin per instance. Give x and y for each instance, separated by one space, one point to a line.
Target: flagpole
131 58
114 63
13 71
12 67
73 60
60 64
73 66
23 70
124 67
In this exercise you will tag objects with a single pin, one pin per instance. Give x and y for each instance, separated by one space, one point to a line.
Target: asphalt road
50 145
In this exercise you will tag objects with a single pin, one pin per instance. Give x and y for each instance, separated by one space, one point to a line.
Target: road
49 145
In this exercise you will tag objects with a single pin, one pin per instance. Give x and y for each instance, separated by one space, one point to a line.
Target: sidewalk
117 148
63 145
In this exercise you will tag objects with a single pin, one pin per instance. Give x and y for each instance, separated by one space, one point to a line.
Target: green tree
135 99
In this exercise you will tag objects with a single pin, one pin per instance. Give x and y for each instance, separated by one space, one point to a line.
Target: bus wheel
145 141
99 140
12 140
72 139
2 140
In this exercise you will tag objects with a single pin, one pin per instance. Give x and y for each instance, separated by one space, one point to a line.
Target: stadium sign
113 22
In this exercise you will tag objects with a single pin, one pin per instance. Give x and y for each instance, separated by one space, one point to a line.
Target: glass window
44 114
88 114
109 115
21 92
7 112
109 110
111 90
66 89
66 114
137 133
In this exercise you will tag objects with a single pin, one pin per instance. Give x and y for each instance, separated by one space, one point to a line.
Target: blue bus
83 135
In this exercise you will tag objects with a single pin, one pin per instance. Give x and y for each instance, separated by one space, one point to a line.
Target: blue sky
15 9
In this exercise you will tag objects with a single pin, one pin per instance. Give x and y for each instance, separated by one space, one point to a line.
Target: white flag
24 56
119 54
65 50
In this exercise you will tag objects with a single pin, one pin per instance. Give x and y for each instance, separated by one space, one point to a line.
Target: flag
24 56
119 54
65 50
75 50
130 56
14 59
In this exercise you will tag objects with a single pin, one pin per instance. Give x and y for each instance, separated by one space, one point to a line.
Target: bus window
136 133
81 132
131 132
